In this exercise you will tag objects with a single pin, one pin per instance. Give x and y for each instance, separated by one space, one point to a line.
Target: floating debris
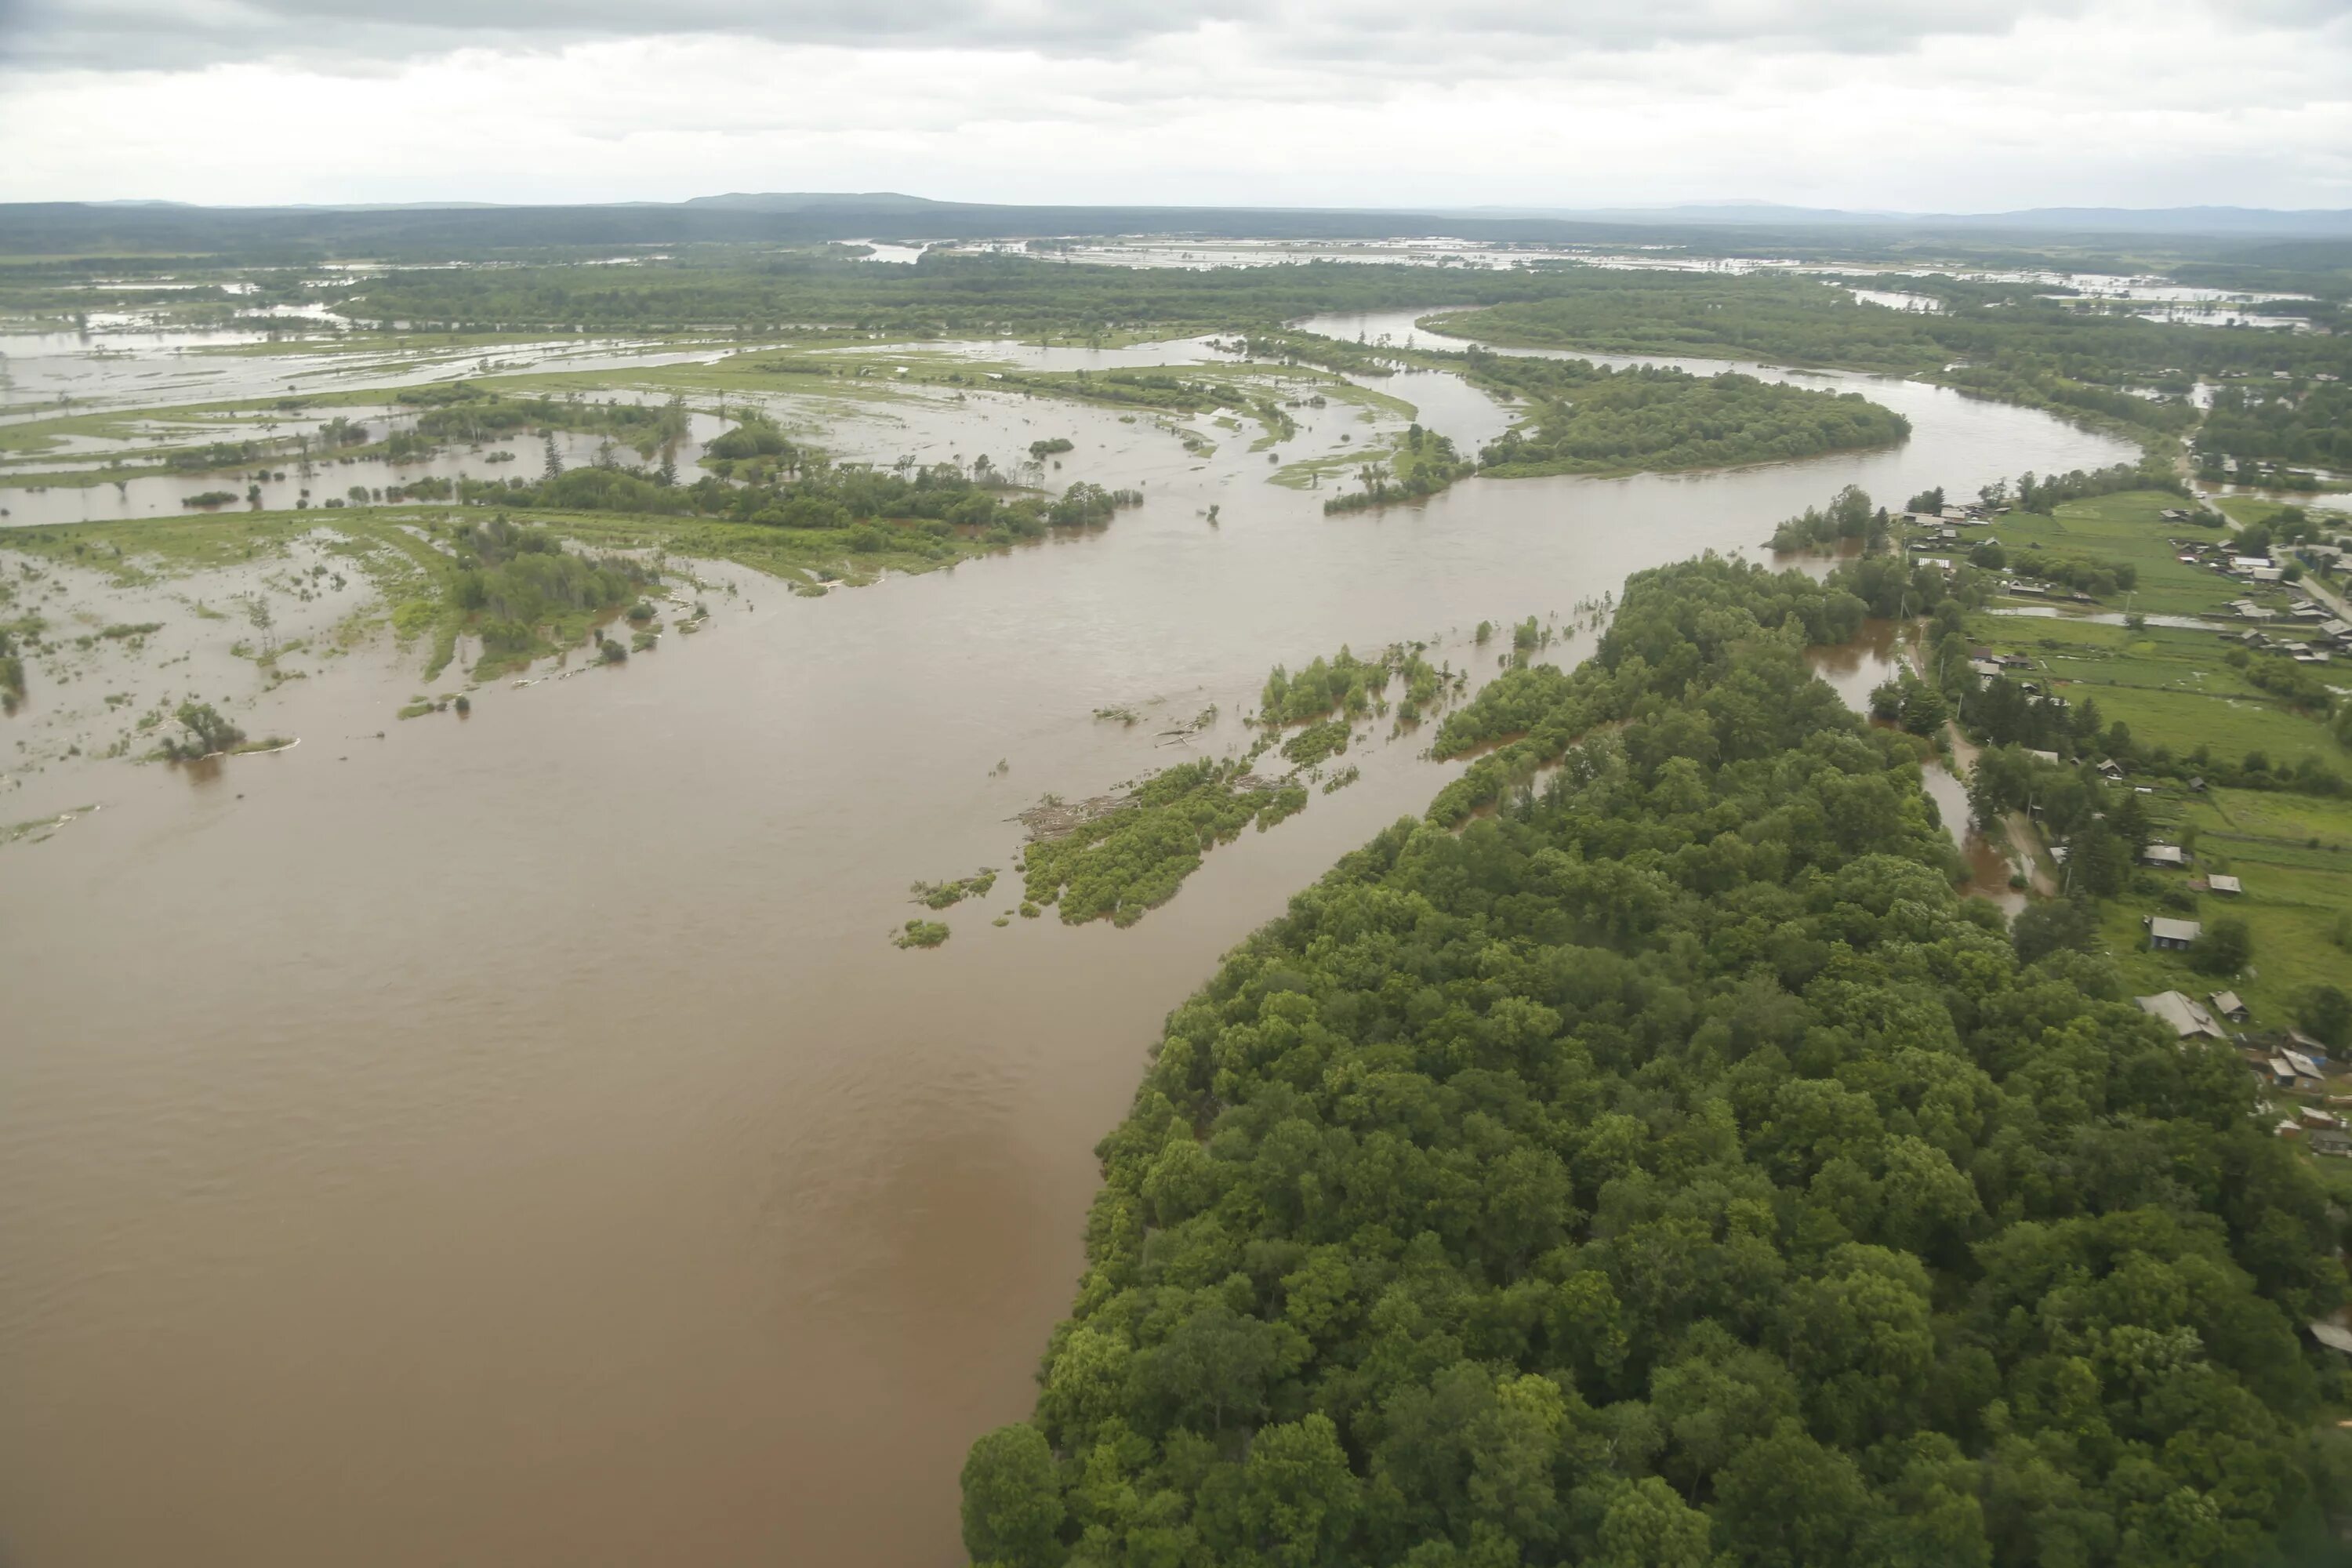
1055 817
42 827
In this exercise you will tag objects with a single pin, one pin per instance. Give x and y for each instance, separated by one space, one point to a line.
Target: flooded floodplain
515 1140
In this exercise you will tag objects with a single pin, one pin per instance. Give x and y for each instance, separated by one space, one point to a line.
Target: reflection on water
516 1142
1990 870
1861 667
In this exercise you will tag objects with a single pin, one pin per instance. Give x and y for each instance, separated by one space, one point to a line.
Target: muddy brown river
514 1141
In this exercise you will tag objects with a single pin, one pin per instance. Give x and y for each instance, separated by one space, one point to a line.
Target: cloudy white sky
1951 105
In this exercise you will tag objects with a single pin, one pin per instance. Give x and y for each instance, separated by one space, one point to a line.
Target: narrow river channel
515 1143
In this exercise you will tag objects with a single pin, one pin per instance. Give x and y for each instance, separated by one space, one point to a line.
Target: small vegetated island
1423 464
1118 857
1669 1169
1598 419
1601 420
522 594
12 671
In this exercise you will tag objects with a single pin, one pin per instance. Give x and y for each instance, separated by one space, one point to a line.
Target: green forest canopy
1670 1170
1592 419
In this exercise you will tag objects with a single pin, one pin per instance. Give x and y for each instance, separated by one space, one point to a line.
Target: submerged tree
208 733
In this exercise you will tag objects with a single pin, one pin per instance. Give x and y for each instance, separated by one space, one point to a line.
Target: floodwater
1859 668
514 1140
284 480
44 375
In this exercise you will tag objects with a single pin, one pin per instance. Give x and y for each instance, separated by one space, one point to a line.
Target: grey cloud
116 34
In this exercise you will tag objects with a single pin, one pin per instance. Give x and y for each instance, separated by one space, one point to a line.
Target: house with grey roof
2185 1017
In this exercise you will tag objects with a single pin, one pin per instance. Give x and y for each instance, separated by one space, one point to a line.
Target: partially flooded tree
208 735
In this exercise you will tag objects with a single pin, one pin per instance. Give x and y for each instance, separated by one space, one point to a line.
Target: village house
2185 1017
2167 936
2293 1070
2224 883
2227 1005
2164 855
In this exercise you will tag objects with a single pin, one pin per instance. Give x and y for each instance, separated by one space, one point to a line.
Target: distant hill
815 200
2310 223
426 230
2215 222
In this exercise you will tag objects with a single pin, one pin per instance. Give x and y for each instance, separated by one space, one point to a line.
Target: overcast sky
1952 106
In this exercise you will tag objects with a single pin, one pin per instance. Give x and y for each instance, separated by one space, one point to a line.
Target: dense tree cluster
207 735
1593 419
1353 687
2296 685
2311 426
1848 520
872 509
12 673
467 411
1316 742
1531 715
512 582
2082 573
2047 494
1425 463
1670 1170
214 456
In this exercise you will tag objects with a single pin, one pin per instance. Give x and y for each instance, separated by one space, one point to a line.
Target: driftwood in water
1053 818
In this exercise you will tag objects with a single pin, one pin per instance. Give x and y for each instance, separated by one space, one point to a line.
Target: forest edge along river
516 1141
